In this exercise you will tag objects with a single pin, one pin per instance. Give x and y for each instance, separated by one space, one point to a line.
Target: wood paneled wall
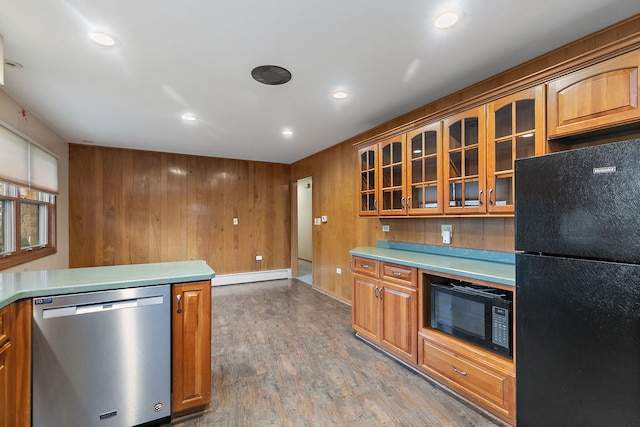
129 207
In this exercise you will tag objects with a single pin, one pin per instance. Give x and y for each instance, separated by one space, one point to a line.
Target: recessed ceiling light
188 117
287 132
340 94
102 38
447 19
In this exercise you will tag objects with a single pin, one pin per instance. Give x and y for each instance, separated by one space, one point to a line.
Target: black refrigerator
577 222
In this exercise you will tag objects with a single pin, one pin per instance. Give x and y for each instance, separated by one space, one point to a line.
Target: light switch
324 218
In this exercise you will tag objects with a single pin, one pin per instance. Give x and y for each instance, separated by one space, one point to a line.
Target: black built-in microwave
478 314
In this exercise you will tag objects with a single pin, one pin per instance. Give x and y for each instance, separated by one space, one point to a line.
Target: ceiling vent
271 74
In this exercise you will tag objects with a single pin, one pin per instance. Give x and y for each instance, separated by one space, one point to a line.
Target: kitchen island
190 318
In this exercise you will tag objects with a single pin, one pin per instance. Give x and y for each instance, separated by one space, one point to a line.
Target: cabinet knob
179 298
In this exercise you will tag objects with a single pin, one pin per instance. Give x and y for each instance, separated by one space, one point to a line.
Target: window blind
25 162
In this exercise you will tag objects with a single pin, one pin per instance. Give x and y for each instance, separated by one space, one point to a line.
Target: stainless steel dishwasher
102 358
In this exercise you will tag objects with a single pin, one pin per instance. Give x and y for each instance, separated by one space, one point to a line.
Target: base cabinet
15 364
391 309
384 306
191 352
478 376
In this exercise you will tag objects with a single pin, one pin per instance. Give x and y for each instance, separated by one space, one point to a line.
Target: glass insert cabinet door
515 130
392 173
368 180
424 170
464 162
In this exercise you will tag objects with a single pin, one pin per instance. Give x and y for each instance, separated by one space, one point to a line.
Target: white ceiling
177 56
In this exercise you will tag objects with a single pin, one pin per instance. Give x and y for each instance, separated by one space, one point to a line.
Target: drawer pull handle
179 298
375 292
457 371
396 273
364 266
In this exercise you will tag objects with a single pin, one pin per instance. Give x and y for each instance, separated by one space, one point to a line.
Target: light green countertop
496 267
35 284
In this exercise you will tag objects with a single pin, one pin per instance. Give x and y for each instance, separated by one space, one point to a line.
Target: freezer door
582 203
577 342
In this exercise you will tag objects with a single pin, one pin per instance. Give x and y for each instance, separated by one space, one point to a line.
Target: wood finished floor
284 354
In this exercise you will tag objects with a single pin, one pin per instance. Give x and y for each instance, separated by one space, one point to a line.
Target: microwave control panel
500 320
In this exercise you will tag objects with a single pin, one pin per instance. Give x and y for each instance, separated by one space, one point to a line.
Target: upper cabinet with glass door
515 130
392 173
368 180
424 170
464 162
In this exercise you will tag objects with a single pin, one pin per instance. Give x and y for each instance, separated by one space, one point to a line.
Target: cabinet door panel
399 326
464 162
515 129
6 385
368 203
392 176
191 307
599 96
424 170
365 310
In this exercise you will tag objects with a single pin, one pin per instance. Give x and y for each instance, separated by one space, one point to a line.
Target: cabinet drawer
481 383
368 267
400 273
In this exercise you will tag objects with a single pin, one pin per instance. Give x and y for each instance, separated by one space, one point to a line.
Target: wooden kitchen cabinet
191 348
464 162
368 180
424 170
479 376
515 129
15 364
384 306
600 96
391 178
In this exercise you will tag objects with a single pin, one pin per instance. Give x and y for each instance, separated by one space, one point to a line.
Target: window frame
19 255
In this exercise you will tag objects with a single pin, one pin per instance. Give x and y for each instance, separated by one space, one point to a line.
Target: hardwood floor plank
284 354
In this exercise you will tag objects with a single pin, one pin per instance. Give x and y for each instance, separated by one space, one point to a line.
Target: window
26 225
28 184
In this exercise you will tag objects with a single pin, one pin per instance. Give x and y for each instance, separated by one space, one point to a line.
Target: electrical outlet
324 218
258 257
339 270
385 228
316 221
447 231
235 221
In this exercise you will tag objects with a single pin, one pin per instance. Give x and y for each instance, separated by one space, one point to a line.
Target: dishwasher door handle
73 310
